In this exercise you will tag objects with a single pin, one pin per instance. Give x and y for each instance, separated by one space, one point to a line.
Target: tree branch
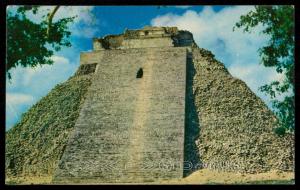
50 17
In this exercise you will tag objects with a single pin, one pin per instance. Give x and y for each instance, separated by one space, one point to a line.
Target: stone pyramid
144 106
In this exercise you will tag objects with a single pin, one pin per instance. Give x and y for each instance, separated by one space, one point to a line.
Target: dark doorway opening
139 74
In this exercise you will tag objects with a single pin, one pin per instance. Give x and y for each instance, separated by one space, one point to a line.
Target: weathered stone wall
236 127
119 42
34 146
147 42
145 38
129 129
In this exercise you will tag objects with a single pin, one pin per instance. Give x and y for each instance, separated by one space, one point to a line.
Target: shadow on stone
192 126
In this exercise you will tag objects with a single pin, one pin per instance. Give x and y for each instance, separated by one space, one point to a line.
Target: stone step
129 130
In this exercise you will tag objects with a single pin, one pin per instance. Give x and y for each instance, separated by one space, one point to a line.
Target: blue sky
211 27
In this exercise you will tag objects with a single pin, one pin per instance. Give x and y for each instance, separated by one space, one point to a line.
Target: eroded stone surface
128 124
130 129
145 38
236 126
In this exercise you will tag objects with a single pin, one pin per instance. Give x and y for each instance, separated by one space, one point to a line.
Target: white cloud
15 102
83 13
41 78
84 31
237 50
183 7
28 85
18 98
84 24
37 82
209 26
255 76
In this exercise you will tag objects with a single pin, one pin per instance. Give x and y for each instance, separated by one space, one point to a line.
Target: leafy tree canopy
30 44
279 53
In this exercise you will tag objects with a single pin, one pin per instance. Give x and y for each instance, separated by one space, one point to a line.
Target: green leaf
26 40
279 22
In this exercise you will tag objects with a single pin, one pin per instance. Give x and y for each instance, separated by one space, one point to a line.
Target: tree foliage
279 53
30 44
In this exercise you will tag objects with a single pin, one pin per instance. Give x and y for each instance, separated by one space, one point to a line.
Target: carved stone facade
145 38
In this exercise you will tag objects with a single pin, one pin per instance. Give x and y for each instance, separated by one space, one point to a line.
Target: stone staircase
130 130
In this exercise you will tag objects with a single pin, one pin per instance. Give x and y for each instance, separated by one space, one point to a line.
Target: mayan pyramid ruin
144 106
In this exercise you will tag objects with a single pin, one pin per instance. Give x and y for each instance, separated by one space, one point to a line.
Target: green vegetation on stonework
279 52
36 143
